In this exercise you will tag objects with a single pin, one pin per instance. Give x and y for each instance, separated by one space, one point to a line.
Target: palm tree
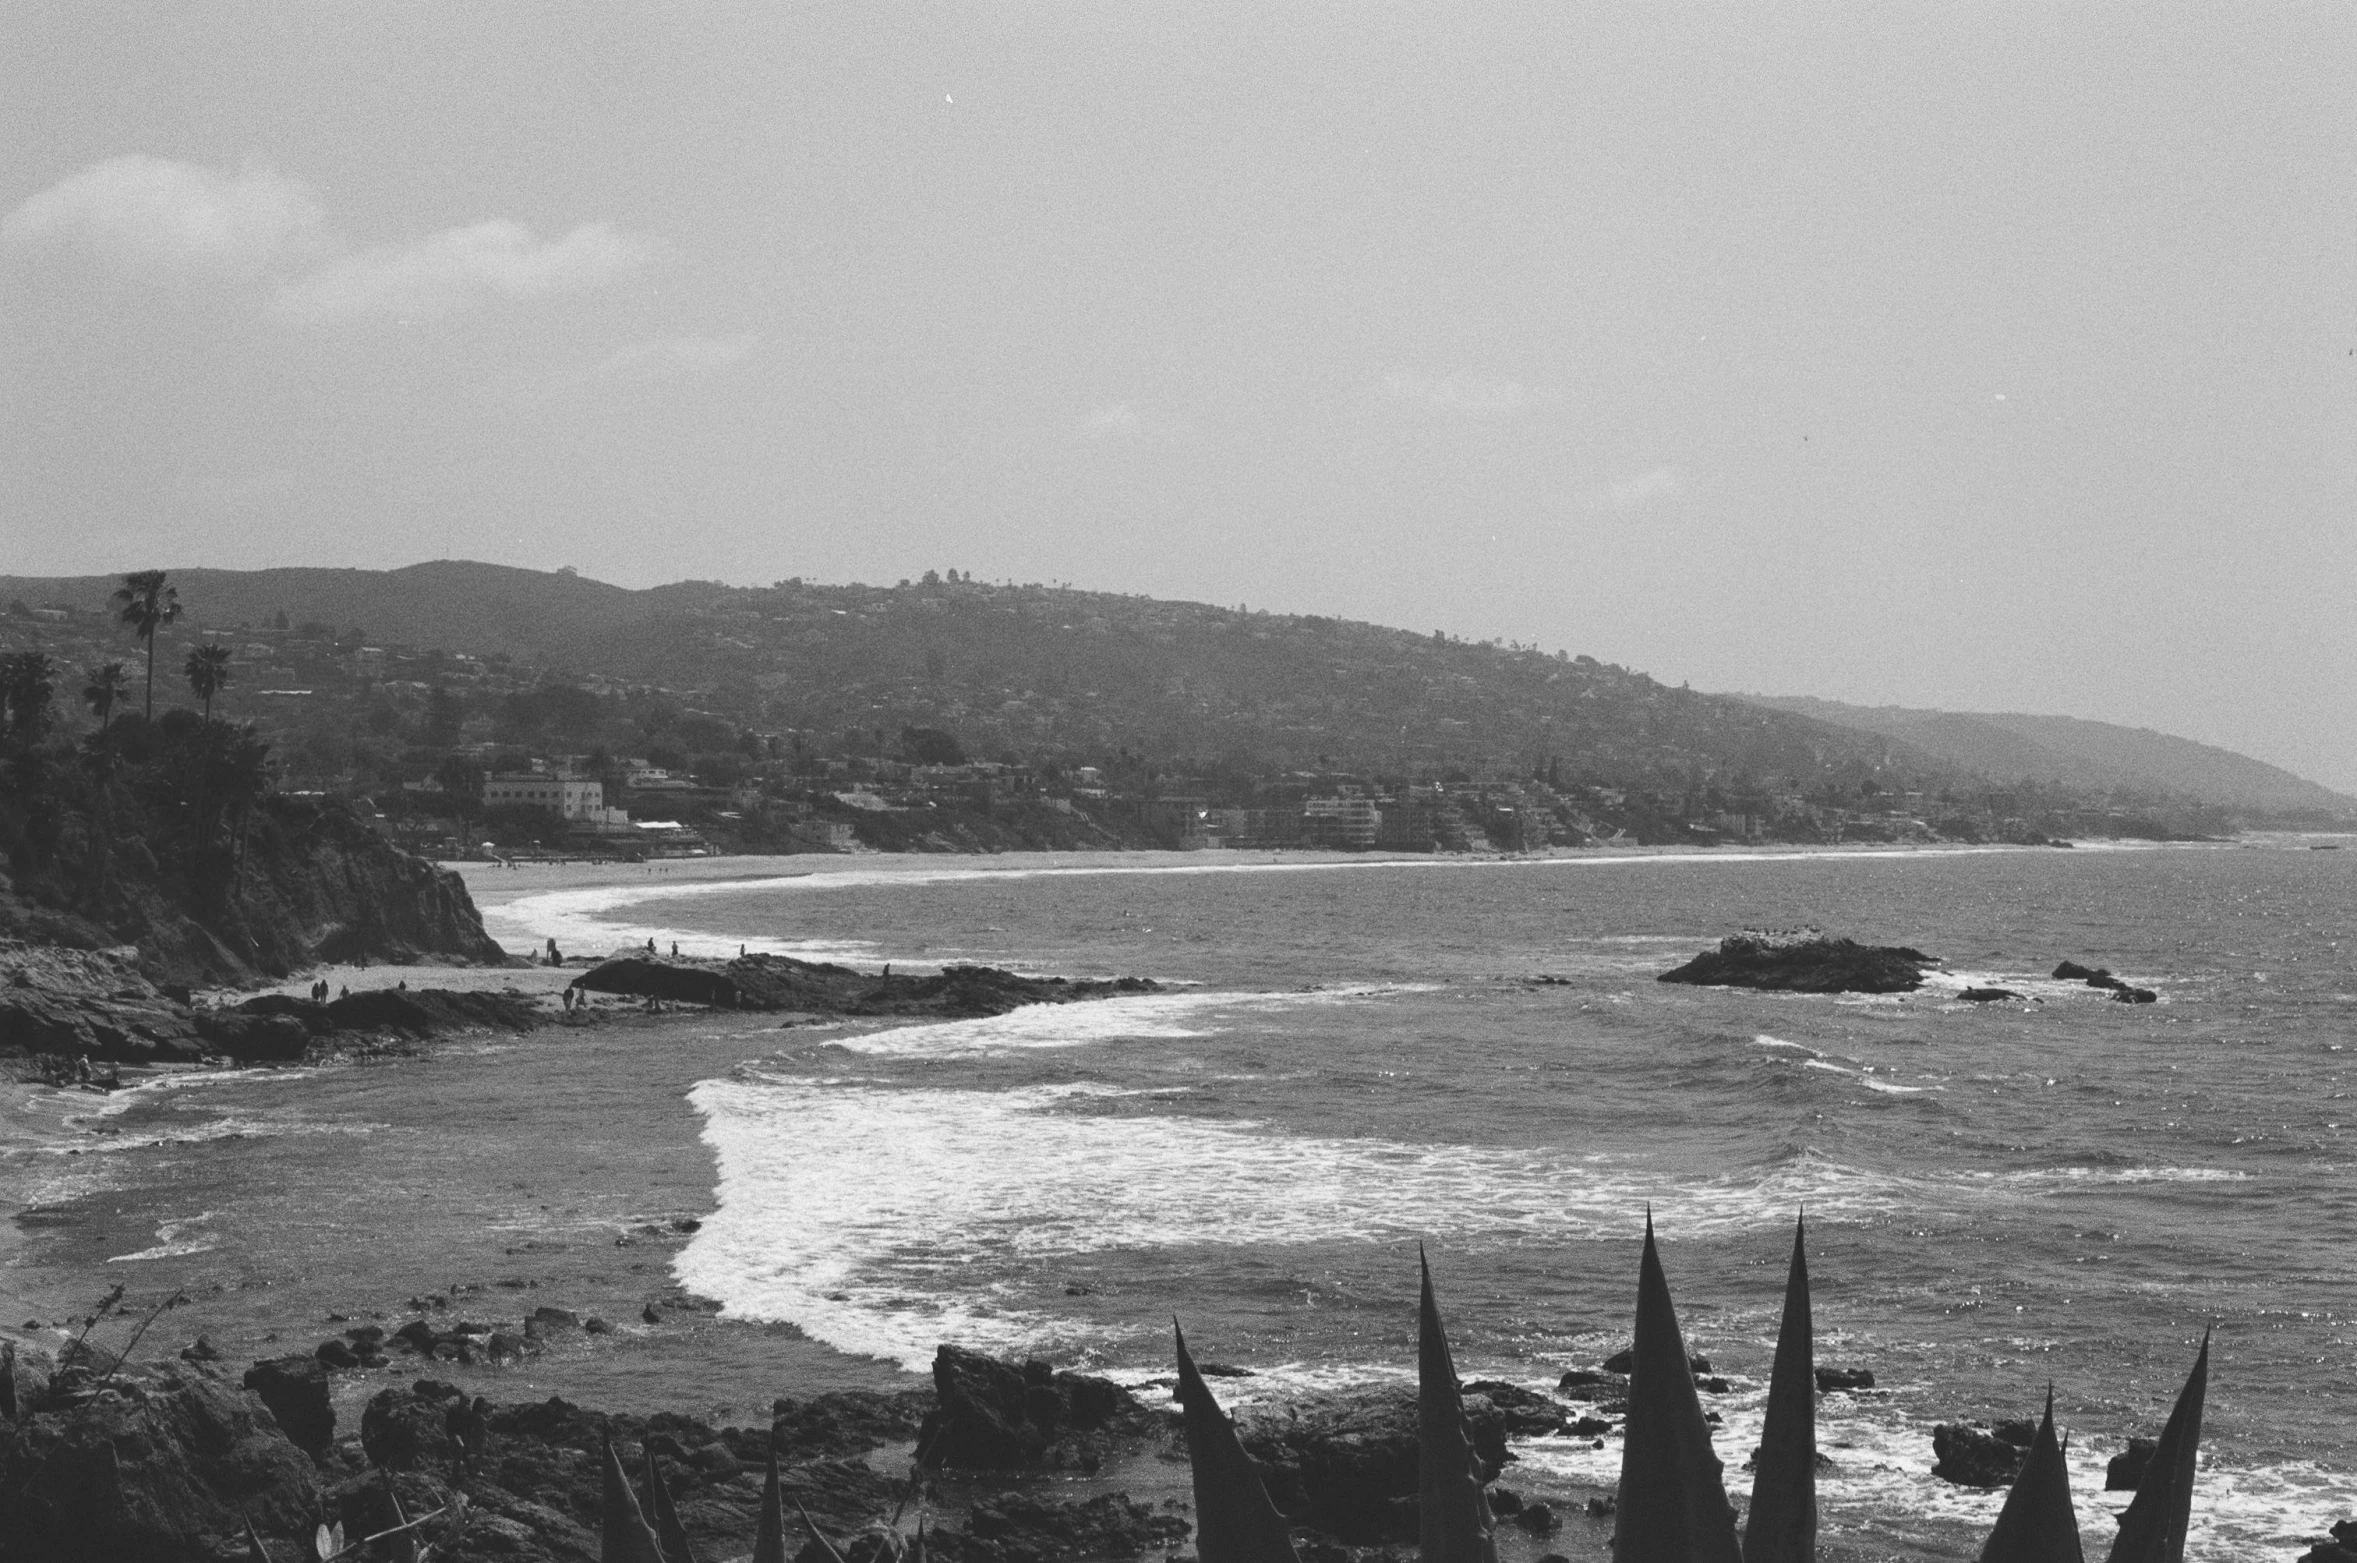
208 672
107 685
145 603
28 681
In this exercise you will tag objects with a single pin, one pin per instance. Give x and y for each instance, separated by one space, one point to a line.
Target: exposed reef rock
1972 1455
1805 962
1348 1463
996 1415
779 982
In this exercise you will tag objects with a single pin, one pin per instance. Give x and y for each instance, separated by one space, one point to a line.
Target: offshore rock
2125 1471
1973 1456
995 1415
295 1390
161 1467
1347 1463
777 982
1806 962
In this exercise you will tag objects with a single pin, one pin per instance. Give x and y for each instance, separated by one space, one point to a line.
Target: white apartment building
567 796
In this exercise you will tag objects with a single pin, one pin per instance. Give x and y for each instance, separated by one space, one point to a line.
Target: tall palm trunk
151 675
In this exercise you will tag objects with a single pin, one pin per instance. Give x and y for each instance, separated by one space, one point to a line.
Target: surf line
588 901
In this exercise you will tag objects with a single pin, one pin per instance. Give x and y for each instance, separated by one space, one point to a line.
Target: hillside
1039 672
2009 746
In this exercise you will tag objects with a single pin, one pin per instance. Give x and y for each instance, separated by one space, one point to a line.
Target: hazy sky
1984 356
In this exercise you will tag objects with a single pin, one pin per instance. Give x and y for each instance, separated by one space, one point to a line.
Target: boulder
1987 995
1527 1413
2125 1472
1347 1462
993 1415
1593 1378
254 1039
408 1429
161 1467
296 1391
338 1355
1620 1362
2123 994
1805 962
2072 971
1971 1455
2340 1547
1829 1379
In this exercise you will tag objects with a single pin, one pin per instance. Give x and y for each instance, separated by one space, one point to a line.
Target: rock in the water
996 1415
2125 1472
1844 1378
1347 1463
296 1391
779 982
1805 963
2341 1547
1972 1456
2072 971
2127 995
1987 995
1621 1361
161 1467
1527 1413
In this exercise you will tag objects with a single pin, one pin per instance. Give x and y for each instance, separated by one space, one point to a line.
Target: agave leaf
2037 1525
665 1518
1782 1524
1672 1506
255 1551
2153 1529
769 1540
1452 1511
623 1536
1234 1520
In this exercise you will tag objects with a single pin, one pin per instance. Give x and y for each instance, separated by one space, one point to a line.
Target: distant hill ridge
1052 672
2075 752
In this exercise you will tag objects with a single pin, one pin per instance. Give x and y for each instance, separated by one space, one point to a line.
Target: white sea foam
873 1218
172 1242
1130 1018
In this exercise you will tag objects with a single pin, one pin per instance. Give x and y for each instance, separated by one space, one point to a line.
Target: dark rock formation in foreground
1348 1463
994 1415
1806 962
1971 1455
779 982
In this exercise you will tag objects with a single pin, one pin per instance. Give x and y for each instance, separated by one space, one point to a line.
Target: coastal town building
569 797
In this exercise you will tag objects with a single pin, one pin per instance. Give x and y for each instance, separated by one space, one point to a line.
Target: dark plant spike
8 1381
255 1551
663 1519
916 1551
1234 1520
2037 1525
1782 1524
2153 1529
623 1536
1672 1506
769 1538
1452 1511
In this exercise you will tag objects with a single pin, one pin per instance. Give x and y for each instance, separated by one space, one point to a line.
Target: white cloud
149 214
1107 422
1463 394
662 358
153 216
458 267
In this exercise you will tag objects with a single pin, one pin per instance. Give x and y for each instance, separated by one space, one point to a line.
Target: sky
1989 357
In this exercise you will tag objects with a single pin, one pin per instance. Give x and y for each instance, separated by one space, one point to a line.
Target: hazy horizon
1988 361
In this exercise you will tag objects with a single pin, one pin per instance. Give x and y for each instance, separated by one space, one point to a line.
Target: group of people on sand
319 992
56 1071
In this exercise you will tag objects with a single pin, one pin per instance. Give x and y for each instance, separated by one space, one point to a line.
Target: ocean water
2061 1189
1355 1059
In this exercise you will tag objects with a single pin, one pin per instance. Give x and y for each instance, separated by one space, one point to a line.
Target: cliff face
310 882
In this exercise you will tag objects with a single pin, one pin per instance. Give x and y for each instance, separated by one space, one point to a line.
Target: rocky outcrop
164 1467
779 982
71 1003
1022 1528
295 1390
2124 1472
1971 1454
2339 1547
1805 962
994 1415
1347 1463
